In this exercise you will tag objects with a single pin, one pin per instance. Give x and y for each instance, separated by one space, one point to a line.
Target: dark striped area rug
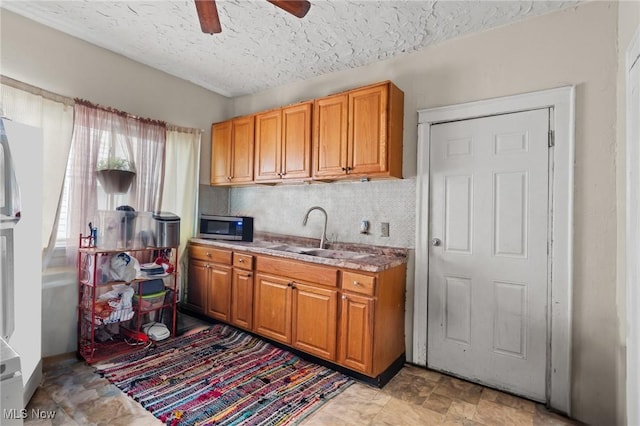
223 376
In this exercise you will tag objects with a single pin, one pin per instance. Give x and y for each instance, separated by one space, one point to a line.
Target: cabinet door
296 141
268 146
221 153
219 292
272 307
197 285
330 136
242 298
315 313
368 130
242 150
356 339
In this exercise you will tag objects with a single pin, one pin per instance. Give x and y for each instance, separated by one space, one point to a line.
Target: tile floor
415 396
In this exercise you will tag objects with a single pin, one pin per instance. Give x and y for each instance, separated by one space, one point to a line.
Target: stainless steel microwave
237 228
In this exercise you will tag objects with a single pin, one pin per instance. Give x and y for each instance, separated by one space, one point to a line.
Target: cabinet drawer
358 283
210 254
243 261
302 271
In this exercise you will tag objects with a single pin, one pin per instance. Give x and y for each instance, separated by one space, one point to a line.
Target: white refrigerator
20 262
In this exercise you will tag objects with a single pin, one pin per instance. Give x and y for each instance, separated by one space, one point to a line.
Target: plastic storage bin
150 301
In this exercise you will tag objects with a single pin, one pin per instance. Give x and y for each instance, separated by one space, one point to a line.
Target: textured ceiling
261 46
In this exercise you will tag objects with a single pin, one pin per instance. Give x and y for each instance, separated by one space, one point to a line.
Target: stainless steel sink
336 254
309 251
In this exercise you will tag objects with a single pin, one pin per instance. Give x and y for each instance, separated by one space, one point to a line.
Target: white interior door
488 263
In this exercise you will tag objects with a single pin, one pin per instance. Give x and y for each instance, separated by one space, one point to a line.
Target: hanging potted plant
115 174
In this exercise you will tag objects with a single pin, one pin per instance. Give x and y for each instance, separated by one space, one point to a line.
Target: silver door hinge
552 138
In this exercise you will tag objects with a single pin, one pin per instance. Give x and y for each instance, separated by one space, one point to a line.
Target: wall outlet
384 229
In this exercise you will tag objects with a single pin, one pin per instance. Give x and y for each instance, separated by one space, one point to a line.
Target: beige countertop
340 255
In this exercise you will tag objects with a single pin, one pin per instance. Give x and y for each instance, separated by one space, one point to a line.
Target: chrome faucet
324 230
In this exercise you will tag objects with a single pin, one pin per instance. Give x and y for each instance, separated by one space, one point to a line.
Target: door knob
435 242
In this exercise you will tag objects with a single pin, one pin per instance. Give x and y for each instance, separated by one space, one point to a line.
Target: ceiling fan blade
297 8
208 15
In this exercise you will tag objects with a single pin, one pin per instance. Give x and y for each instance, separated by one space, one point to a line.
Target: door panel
267 145
242 149
330 118
487 313
368 130
197 286
314 320
219 292
221 152
356 333
242 299
296 141
272 308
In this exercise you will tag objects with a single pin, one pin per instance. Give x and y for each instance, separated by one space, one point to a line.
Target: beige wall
576 46
65 65
572 47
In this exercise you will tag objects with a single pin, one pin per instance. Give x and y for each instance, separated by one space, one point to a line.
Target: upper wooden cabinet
330 136
354 134
283 144
359 133
232 146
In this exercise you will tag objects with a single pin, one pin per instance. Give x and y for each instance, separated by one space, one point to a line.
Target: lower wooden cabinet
356 349
298 314
352 318
196 297
242 299
209 281
272 307
314 324
218 292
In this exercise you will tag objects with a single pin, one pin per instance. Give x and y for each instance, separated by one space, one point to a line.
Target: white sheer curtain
98 133
180 192
55 118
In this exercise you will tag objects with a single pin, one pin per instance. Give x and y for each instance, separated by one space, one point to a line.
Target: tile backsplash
280 209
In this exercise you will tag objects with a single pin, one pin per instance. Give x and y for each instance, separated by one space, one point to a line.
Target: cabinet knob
208 254
357 284
344 297
241 260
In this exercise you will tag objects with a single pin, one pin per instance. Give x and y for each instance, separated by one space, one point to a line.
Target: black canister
127 225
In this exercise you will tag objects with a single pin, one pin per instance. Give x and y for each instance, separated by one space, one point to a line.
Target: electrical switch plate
384 229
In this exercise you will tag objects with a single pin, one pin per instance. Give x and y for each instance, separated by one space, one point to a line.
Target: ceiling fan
210 22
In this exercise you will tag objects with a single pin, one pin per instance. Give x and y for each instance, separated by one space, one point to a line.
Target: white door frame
633 240
562 102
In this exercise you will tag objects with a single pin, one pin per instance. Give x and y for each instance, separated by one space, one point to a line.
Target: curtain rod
16 84
175 128
36 90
